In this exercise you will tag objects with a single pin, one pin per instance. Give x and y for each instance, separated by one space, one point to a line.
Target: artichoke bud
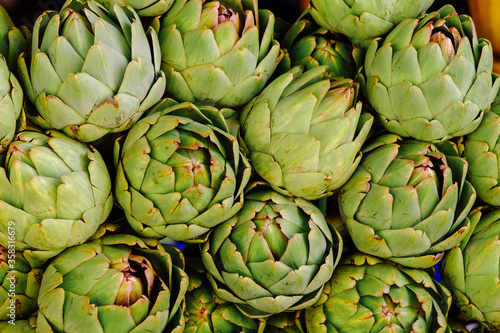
446 45
130 290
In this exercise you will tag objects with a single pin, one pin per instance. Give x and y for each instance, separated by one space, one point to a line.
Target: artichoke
308 45
20 280
370 295
215 53
92 72
13 41
56 191
362 20
11 105
206 312
304 132
407 202
284 322
273 256
431 79
481 149
178 173
142 7
117 283
471 271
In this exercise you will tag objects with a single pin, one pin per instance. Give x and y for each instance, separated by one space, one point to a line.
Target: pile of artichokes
215 166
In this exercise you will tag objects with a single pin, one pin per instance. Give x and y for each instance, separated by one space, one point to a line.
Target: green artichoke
370 295
92 72
481 149
431 79
55 190
471 271
13 41
304 132
308 45
117 283
178 174
273 256
362 20
407 202
20 280
215 53
22 326
142 7
12 115
206 312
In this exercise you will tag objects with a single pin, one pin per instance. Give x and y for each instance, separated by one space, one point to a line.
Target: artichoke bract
54 191
20 283
12 115
273 256
13 40
369 295
118 283
362 20
407 202
305 132
142 7
178 173
309 45
481 149
215 53
431 78
206 312
92 72
471 271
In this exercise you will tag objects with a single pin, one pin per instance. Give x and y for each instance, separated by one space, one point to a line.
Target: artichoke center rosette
217 52
370 295
407 201
362 20
179 172
431 78
54 192
144 8
92 71
304 132
472 271
118 283
275 255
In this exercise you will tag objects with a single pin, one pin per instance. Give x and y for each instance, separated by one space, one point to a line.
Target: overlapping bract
142 7
275 255
482 152
362 20
370 295
56 190
309 45
117 283
11 105
207 313
304 132
178 174
92 71
472 271
20 283
215 53
431 79
13 40
407 202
